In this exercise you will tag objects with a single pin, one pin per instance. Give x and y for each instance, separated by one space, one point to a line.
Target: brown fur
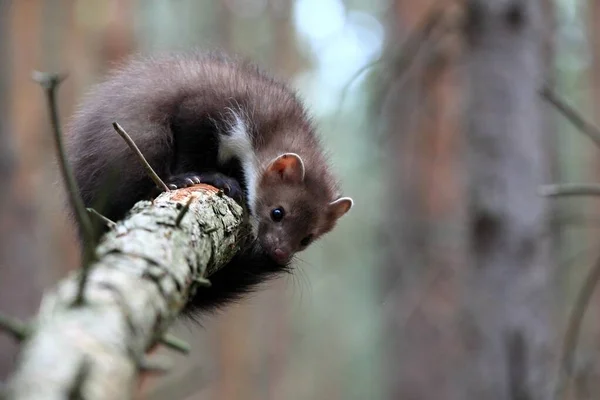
174 107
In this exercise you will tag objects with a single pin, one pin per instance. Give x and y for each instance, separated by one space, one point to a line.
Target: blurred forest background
431 110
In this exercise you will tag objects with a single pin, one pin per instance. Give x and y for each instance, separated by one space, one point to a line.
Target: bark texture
147 268
424 225
507 324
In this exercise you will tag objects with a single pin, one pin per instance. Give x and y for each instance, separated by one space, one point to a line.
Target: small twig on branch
19 330
203 282
573 329
570 189
108 222
584 125
175 343
76 391
141 281
50 83
183 212
154 365
159 182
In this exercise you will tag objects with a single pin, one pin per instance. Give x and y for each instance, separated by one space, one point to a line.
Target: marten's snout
277 249
281 256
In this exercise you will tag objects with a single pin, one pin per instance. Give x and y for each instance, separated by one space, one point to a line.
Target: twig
585 126
406 55
175 343
100 203
159 182
573 329
570 189
50 83
110 223
76 391
203 282
183 212
154 365
19 330
354 76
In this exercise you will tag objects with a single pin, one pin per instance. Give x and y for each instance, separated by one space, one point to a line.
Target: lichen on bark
147 268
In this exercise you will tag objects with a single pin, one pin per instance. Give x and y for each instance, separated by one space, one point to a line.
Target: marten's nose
281 256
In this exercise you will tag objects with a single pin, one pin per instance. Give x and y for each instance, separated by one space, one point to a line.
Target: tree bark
508 303
426 212
147 268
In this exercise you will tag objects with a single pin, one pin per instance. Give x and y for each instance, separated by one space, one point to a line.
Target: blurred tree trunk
507 326
586 382
424 238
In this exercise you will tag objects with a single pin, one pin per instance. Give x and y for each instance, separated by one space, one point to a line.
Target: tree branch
147 268
573 329
405 56
585 126
50 84
570 189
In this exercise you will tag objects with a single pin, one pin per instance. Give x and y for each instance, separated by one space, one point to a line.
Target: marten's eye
306 241
277 214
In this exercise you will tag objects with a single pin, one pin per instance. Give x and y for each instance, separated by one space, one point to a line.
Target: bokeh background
376 310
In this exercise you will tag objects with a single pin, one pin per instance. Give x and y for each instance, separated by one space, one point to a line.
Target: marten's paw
183 180
230 186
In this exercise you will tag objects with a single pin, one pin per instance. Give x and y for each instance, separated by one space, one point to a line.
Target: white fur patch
238 144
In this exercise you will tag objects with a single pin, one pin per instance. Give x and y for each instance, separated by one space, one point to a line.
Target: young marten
211 119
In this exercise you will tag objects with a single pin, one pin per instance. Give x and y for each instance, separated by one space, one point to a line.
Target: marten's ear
339 207
288 166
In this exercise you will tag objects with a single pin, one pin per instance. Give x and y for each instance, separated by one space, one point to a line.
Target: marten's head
294 208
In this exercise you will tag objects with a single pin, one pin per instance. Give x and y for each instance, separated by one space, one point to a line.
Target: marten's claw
183 180
230 186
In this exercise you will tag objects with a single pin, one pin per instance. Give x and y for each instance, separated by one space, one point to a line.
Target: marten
215 119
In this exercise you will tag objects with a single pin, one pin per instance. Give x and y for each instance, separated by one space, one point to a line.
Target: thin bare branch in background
573 330
585 126
50 83
570 189
405 56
